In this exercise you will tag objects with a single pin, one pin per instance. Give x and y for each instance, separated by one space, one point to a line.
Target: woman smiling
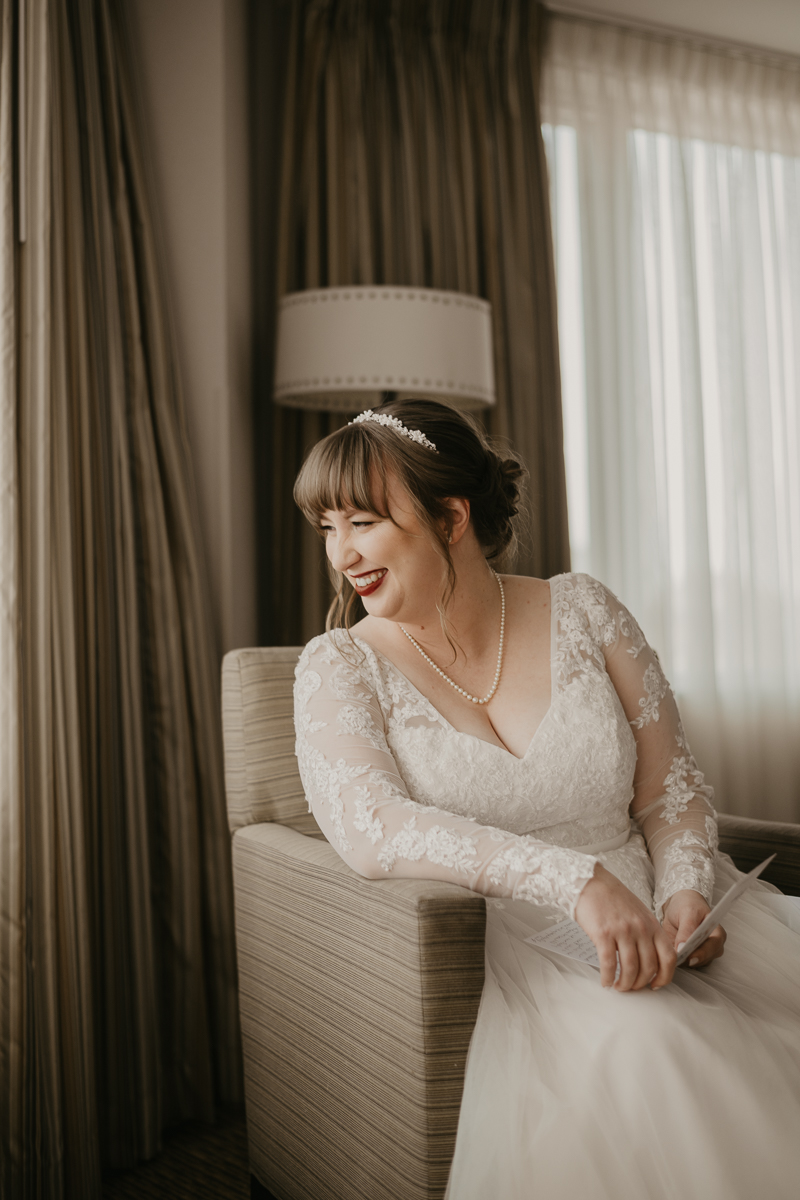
517 736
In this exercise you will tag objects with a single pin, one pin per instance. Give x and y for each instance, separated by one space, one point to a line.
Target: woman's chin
376 605
374 602
381 603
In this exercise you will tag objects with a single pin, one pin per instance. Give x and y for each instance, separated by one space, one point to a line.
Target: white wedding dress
574 1091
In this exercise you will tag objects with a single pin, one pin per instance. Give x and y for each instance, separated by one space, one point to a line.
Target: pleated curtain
117 970
412 155
12 947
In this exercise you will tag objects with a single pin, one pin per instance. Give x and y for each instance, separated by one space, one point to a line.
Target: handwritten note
567 938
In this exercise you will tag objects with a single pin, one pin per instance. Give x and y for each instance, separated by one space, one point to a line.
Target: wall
769 24
193 69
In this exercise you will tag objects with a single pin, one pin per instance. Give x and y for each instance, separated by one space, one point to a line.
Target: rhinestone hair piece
416 435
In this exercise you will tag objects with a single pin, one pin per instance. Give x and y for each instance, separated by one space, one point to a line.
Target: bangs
344 471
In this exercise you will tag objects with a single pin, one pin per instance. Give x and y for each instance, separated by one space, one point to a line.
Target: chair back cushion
262 782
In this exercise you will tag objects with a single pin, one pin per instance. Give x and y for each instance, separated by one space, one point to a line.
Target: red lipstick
371 587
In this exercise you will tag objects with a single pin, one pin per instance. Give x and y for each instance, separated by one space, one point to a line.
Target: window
677 239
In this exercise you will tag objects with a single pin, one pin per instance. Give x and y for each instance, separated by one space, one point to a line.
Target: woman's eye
326 529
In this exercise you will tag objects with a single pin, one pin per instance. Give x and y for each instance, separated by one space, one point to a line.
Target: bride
518 737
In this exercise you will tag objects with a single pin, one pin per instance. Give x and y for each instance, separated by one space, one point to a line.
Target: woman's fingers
628 951
712 948
644 963
648 963
667 959
607 957
636 963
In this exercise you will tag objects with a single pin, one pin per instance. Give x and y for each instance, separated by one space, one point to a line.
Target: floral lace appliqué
656 688
556 879
684 782
347 684
438 845
687 866
364 819
357 722
629 629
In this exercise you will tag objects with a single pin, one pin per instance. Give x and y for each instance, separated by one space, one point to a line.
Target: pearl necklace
447 678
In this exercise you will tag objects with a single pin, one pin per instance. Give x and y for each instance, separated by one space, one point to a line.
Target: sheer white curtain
675 173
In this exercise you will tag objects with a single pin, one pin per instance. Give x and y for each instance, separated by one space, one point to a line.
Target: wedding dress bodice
397 789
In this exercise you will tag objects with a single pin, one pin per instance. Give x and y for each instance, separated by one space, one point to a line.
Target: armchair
357 997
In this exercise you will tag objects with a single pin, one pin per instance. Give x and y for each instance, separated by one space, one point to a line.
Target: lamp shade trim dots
340 348
322 295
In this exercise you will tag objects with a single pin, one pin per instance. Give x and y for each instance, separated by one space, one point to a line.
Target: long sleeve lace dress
573 1090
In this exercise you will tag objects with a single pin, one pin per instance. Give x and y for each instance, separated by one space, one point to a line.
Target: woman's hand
683 912
618 923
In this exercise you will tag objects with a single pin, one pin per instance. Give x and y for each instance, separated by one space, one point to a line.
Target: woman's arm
361 803
672 804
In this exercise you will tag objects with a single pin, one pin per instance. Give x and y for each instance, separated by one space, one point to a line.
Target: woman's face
391 563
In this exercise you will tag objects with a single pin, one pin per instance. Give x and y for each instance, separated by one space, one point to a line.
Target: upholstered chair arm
358 1001
749 842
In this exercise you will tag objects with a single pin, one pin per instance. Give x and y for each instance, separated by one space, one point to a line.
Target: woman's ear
458 521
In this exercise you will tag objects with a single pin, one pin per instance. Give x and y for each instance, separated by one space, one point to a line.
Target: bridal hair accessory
416 435
447 679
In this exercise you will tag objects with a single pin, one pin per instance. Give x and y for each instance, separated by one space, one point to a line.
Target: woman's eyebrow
351 511
346 511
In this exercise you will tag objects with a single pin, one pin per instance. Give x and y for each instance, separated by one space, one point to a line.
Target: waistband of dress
614 843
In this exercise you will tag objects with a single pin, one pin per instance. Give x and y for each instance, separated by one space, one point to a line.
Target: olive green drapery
412 154
117 975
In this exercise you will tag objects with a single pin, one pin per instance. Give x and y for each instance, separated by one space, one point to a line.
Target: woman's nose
342 552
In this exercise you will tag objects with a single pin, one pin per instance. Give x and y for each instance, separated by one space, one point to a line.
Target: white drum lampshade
340 349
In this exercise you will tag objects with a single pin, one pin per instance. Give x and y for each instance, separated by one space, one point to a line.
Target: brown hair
344 469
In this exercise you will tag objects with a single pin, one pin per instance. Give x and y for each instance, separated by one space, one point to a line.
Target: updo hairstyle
349 468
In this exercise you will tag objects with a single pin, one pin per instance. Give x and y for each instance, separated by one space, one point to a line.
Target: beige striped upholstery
357 1000
262 782
357 997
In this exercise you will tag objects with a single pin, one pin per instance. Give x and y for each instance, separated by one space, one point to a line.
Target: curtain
675 170
11 902
118 975
412 155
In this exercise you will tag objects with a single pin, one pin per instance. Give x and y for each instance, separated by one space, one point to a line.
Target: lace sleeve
362 805
672 804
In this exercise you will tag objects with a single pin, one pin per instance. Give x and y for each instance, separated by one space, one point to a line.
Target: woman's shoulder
590 602
580 596
571 594
581 588
570 588
337 648
575 582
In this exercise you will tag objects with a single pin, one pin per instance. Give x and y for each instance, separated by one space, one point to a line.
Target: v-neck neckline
462 732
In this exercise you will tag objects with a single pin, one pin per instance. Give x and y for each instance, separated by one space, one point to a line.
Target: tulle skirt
575 1092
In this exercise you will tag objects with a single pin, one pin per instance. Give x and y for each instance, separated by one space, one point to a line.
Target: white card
714 918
